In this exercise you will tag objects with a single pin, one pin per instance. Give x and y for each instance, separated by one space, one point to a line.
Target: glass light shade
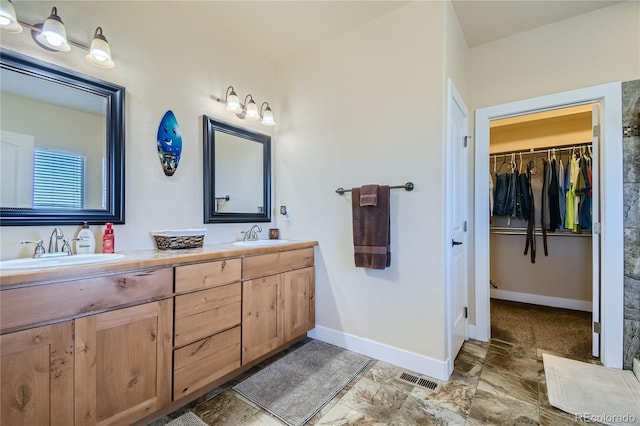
100 52
267 117
53 34
252 111
233 103
8 20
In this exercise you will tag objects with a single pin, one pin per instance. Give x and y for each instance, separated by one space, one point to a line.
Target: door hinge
466 312
464 226
596 130
466 141
596 327
596 228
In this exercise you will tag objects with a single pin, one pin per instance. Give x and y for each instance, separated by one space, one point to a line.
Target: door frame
611 209
454 99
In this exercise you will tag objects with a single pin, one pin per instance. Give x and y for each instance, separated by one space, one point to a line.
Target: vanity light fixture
8 20
52 35
100 52
232 101
267 115
249 109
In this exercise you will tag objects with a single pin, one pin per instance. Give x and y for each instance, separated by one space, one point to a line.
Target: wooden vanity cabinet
36 372
277 300
92 351
207 324
123 364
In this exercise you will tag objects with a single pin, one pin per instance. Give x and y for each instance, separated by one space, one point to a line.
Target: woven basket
168 240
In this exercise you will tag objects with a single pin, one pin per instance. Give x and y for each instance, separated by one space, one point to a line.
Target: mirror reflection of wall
238 174
68 129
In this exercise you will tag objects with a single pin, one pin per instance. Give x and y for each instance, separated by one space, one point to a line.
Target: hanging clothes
555 221
531 226
562 189
543 208
585 209
504 195
570 198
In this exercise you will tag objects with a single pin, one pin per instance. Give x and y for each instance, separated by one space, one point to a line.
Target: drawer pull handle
224 263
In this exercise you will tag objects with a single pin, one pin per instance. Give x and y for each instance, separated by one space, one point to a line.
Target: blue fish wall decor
169 143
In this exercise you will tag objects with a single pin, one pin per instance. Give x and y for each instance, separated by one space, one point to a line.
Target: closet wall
564 277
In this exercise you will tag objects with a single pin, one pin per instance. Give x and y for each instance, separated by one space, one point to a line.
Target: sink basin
57 262
260 243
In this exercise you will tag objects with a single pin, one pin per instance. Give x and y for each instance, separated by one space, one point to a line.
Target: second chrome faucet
252 233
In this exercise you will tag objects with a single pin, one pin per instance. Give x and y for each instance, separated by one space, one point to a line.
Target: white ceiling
485 21
279 29
287 27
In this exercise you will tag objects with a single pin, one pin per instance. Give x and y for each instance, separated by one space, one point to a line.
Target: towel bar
407 186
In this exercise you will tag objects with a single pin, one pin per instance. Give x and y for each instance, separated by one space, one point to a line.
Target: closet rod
539 151
523 231
407 187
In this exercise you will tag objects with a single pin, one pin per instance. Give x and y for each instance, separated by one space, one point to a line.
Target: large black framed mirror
61 147
237 173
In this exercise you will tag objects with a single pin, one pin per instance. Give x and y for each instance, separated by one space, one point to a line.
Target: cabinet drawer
25 306
275 263
206 312
204 361
209 274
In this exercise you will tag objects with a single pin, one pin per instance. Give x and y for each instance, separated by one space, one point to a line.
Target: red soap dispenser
107 239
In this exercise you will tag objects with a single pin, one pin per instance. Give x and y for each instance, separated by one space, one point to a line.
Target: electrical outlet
283 210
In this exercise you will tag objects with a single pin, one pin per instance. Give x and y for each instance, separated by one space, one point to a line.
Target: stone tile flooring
496 383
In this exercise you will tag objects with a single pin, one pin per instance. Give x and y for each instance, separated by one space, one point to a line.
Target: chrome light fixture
52 35
248 110
232 101
100 52
8 20
267 115
251 109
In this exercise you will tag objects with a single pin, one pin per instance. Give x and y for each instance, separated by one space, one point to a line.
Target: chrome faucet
56 235
251 234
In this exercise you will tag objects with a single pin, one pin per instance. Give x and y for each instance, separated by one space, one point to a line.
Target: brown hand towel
371 230
369 195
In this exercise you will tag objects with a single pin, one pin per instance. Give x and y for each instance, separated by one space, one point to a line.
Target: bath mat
297 386
187 419
593 392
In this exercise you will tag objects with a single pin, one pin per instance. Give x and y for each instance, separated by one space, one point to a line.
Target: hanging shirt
561 192
490 195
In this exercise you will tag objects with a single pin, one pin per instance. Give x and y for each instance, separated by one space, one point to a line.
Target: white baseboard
536 299
405 359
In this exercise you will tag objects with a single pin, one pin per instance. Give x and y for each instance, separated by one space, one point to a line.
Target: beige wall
587 50
368 108
565 273
179 67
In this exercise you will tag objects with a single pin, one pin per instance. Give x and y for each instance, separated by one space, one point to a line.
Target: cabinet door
299 302
262 307
123 364
37 376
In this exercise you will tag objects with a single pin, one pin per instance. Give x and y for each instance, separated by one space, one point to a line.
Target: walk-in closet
543 212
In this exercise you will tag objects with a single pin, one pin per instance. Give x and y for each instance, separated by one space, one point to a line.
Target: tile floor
496 383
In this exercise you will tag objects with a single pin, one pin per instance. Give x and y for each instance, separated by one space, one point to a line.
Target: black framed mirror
237 173
62 145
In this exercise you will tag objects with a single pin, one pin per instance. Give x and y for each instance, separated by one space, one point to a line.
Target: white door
16 169
457 212
595 235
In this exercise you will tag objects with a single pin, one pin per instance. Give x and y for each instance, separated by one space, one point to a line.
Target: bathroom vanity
134 339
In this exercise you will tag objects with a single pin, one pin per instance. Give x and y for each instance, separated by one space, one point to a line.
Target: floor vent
421 381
